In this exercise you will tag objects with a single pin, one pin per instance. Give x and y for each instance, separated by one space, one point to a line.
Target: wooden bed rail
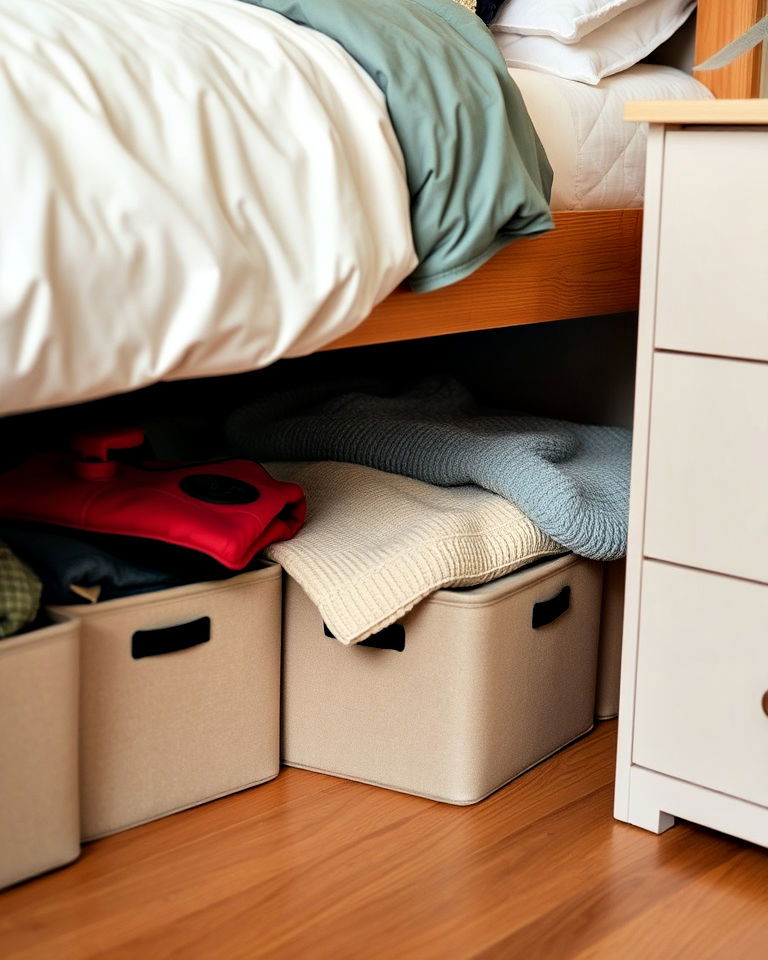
588 265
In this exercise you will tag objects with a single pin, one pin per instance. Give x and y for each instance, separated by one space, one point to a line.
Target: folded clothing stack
76 568
375 543
95 528
415 491
571 479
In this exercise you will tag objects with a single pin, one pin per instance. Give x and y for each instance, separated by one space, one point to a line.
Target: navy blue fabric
487 10
61 560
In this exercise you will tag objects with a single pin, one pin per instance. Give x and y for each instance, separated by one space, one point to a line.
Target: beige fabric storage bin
475 697
39 816
609 651
180 698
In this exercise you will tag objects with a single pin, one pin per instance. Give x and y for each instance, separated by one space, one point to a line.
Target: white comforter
187 188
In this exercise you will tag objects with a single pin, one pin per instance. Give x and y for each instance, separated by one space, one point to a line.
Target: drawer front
707 488
712 293
702 673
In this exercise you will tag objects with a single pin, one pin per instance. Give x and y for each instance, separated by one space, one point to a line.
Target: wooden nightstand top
753 112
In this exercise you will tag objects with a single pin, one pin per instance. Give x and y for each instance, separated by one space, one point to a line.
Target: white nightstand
693 722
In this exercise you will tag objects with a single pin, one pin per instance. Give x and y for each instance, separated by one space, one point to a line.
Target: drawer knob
765 703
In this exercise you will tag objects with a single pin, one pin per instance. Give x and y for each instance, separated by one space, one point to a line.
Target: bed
588 265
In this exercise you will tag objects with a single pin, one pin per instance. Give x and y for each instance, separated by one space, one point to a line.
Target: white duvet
187 188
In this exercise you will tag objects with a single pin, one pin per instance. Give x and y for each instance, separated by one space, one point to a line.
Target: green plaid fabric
19 593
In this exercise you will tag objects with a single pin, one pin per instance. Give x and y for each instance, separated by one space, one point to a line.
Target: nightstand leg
643 812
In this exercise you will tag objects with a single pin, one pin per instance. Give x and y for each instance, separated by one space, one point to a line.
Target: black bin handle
547 611
390 638
182 636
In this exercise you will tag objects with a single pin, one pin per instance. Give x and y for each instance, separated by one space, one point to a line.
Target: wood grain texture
309 866
717 23
589 265
698 112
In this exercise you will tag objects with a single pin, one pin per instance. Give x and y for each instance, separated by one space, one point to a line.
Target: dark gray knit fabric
570 479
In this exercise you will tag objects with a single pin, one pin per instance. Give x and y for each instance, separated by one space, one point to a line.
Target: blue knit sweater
571 479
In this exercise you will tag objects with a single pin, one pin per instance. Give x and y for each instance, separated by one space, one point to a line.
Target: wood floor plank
204 864
620 897
316 867
721 913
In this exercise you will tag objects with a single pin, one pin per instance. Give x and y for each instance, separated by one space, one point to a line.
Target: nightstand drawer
707 486
712 285
702 675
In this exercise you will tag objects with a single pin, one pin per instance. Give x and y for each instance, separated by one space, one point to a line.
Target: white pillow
567 20
617 45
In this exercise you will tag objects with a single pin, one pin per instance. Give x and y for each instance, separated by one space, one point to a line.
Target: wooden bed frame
589 265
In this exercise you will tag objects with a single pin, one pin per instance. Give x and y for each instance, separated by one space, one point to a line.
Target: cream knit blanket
376 543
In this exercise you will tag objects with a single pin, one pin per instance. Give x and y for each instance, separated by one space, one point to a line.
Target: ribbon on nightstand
731 51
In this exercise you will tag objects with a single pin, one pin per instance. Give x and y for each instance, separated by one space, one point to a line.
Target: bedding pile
477 174
188 188
576 65
198 187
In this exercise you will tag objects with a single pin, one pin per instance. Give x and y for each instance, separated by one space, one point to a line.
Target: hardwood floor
314 867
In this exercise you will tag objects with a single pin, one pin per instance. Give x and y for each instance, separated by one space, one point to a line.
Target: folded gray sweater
570 479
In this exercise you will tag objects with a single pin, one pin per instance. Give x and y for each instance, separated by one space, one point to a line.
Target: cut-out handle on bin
390 638
546 611
154 643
